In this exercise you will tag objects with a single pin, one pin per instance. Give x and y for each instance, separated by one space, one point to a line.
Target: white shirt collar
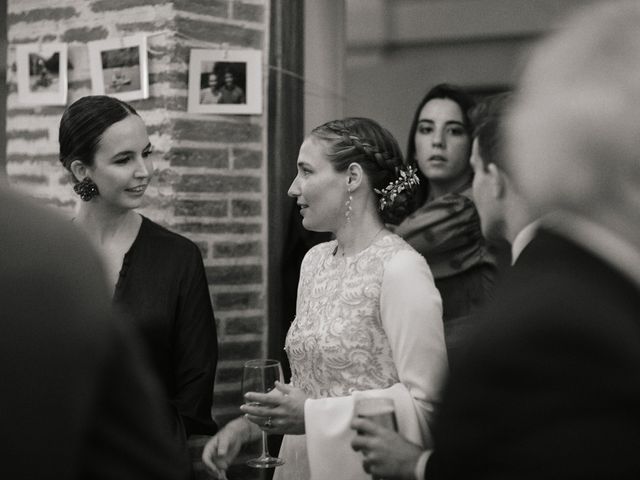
522 239
601 241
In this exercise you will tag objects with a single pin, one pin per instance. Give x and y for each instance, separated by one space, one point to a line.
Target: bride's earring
347 204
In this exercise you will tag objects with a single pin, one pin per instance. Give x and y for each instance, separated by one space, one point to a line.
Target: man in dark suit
78 400
549 385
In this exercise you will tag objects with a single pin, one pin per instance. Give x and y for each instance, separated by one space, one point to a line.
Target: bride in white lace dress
368 317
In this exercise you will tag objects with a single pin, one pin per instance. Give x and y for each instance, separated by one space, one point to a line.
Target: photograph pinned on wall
225 81
119 67
42 73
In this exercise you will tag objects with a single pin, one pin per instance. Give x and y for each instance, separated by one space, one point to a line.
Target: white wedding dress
370 324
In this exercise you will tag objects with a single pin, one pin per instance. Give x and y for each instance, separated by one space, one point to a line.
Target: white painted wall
324 61
398 49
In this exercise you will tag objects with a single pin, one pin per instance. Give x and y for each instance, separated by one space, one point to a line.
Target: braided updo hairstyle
84 122
364 141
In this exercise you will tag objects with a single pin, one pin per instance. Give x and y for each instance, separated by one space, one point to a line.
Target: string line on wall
315 89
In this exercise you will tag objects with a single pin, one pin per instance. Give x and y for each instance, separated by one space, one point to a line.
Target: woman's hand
223 447
387 454
280 411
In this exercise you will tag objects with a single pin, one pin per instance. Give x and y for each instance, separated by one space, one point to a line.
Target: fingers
219 452
361 443
259 420
283 387
255 411
222 446
366 427
265 399
208 454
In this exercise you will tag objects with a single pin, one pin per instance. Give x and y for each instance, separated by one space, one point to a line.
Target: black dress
163 288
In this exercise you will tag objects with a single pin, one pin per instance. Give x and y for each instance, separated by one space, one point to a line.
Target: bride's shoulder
323 248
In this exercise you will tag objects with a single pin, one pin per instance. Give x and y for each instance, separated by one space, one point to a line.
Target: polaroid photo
42 73
119 67
225 81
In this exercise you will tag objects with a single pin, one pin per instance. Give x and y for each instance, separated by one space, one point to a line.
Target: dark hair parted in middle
443 91
84 122
364 141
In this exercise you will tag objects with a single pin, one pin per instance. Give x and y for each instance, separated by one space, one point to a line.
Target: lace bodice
337 344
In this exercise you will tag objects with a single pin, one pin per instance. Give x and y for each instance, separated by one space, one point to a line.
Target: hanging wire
315 89
318 90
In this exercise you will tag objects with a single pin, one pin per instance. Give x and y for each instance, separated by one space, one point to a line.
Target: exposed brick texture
234 274
229 374
28 134
244 325
247 158
121 5
192 157
219 32
218 131
214 8
220 183
237 249
201 208
249 12
39 14
246 208
238 300
240 350
222 227
210 169
84 34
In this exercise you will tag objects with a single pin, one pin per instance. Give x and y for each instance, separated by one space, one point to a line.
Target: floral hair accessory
406 182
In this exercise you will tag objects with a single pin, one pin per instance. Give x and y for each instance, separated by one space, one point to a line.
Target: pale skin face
122 166
442 144
319 189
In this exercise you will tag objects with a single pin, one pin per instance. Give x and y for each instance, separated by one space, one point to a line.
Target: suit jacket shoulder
548 387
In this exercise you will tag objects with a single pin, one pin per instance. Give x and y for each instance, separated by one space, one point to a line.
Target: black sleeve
195 350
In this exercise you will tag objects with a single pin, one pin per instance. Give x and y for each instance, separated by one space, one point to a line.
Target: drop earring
347 204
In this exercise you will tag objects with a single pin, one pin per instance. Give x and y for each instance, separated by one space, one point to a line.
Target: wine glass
379 410
260 376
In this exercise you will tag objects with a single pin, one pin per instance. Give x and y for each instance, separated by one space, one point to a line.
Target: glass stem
265 450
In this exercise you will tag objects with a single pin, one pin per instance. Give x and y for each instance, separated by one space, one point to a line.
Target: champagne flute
379 410
260 376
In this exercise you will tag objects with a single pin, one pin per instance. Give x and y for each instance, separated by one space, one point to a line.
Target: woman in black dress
157 276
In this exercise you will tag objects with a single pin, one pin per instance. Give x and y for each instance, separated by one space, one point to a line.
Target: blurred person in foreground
549 387
505 216
79 400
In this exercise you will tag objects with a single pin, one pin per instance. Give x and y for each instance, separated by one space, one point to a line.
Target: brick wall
210 181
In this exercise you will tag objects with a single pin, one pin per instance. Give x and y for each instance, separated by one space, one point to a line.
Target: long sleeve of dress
195 351
411 312
411 315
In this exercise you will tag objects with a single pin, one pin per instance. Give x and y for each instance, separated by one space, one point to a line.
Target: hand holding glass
379 410
260 376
